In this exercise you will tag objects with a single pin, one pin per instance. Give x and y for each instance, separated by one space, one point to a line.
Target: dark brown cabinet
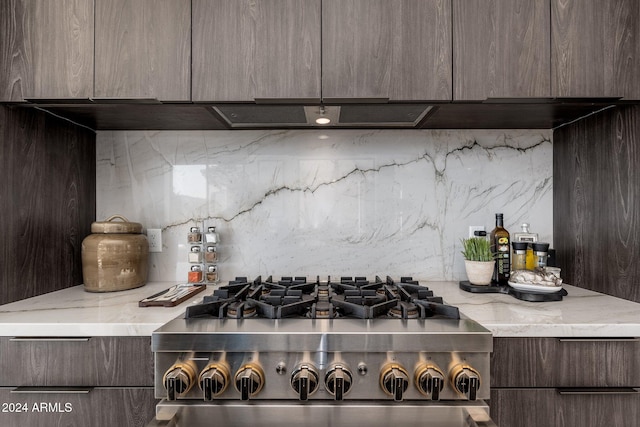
501 49
71 361
246 50
595 48
143 49
565 382
390 49
596 200
48 194
76 381
93 406
46 49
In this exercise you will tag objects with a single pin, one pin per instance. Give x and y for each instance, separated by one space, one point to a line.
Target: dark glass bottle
502 249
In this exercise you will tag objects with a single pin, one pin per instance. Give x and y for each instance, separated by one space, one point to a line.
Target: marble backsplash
326 202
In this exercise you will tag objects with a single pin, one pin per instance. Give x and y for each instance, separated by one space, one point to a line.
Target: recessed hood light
323 119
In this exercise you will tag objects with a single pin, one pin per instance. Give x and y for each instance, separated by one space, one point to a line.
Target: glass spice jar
195 256
211 256
212 273
194 236
195 275
211 236
540 252
519 256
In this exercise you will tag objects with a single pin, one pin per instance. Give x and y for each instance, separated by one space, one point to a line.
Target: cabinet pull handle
598 391
112 100
618 339
59 100
52 390
305 101
373 100
51 339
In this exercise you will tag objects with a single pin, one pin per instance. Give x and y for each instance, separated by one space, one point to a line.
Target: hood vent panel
252 116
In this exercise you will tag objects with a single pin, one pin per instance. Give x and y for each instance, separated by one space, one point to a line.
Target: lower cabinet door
598 407
73 406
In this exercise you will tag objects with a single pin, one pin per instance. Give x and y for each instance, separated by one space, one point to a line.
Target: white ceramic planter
479 272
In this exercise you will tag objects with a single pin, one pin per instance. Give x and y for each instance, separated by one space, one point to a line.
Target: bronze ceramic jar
115 257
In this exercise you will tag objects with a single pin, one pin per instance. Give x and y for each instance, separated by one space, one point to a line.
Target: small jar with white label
211 236
195 255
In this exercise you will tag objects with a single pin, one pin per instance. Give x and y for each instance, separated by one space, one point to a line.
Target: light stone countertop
582 313
74 312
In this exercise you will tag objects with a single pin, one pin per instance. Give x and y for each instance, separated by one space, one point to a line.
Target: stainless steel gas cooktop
267 348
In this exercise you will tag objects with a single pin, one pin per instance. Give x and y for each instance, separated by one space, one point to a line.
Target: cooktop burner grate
350 297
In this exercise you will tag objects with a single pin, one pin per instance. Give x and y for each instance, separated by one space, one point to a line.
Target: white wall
334 202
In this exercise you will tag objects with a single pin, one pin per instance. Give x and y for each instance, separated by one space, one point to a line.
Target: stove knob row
429 380
214 379
179 379
338 380
249 380
466 380
304 380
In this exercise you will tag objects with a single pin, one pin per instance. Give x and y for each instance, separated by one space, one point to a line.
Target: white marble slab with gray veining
338 202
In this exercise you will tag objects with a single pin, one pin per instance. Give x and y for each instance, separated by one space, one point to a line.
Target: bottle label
502 256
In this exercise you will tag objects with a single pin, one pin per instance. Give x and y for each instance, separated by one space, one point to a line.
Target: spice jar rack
203 254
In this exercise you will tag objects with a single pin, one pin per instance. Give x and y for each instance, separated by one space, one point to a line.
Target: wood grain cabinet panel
554 362
595 48
565 382
525 407
48 201
596 199
46 49
94 361
244 50
395 49
501 49
143 49
99 407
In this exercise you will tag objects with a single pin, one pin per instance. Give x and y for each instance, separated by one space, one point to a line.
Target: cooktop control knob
179 378
249 380
466 380
429 380
304 380
214 380
338 380
394 380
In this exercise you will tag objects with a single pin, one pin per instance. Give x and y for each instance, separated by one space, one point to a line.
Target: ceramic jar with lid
115 257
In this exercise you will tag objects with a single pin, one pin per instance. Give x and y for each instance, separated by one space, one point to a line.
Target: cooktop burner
348 297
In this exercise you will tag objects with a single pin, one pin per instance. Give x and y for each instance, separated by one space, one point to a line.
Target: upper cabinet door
395 49
595 48
501 49
245 49
46 49
143 49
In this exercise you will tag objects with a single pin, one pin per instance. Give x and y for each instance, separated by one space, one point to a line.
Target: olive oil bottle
501 247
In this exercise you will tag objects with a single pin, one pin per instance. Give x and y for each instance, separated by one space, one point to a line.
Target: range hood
151 114
252 116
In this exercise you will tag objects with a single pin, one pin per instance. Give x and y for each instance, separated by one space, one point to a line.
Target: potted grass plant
479 261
